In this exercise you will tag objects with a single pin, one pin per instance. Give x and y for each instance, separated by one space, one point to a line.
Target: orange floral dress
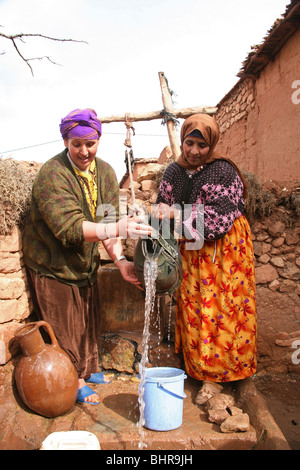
216 309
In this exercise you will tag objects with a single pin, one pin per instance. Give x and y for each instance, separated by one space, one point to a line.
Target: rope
169 117
129 155
172 92
129 159
129 128
136 209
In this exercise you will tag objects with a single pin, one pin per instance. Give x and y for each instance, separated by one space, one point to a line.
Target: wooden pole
168 108
179 113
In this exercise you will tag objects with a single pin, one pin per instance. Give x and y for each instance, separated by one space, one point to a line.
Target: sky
198 44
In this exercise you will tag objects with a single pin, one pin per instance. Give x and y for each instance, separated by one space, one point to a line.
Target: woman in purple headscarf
75 203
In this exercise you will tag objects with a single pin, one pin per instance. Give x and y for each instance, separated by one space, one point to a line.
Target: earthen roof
277 36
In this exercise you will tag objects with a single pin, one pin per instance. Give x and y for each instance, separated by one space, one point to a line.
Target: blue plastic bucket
163 397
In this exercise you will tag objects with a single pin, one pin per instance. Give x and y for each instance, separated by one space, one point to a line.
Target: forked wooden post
169 109
169 113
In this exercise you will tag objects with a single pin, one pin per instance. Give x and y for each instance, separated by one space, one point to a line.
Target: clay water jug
46 378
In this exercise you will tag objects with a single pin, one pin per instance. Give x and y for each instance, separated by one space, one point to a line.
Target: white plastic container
71 440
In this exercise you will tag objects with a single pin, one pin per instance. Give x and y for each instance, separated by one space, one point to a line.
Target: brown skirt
73 313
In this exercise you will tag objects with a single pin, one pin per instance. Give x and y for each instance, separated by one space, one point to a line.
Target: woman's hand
128 272
163 211
127 227
133 227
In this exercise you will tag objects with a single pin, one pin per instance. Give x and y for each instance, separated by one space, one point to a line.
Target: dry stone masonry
237 105
277 256
15 305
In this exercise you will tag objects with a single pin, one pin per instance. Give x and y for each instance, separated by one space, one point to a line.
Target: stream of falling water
150 276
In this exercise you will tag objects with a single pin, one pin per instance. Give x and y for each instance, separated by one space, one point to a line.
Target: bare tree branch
15 37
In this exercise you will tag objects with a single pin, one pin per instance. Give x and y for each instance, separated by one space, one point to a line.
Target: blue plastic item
163 397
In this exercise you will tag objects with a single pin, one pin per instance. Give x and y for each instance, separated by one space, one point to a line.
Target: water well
123 315
122 322
114 421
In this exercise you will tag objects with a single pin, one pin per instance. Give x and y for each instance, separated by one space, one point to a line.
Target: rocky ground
282 395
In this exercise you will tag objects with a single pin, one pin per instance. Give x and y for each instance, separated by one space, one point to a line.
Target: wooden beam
168 108
179 113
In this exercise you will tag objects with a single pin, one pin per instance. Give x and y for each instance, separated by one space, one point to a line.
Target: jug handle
49 331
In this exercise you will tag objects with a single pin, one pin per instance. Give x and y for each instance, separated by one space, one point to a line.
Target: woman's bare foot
107 378
91 398
98 378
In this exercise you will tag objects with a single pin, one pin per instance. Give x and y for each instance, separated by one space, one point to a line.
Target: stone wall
15 305
277 255
237 105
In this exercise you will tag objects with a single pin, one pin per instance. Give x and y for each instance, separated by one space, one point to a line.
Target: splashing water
169 328
157 324
150 276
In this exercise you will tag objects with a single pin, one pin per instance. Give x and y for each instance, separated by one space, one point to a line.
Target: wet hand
128 272
134 227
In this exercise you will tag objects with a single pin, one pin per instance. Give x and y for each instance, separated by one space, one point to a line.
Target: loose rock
234 410
237 423
207 391
217 415
219 402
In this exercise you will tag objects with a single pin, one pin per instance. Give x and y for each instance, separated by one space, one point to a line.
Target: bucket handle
160 385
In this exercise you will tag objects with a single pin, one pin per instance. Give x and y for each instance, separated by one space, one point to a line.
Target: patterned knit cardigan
210 199
53 241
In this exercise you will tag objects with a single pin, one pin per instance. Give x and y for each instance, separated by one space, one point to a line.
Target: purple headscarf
81 124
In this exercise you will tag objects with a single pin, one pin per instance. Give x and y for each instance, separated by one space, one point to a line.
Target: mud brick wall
260 119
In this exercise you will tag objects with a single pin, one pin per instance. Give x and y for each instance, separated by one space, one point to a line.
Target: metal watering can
169 262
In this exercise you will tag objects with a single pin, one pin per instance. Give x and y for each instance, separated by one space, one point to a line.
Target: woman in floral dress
216 310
